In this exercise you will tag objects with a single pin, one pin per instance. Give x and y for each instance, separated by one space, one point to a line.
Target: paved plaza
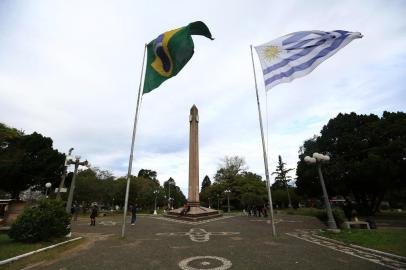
230 242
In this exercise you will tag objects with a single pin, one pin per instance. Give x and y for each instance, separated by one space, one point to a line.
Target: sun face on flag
297 54
272 52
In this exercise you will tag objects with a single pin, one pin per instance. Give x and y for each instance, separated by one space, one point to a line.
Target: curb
37 251
390 255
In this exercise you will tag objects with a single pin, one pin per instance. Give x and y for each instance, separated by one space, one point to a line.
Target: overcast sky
70 70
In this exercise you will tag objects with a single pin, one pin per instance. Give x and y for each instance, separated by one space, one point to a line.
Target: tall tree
367 158
27 161
174 192
8 133
282 178
149 174
230 168
247 189
205 183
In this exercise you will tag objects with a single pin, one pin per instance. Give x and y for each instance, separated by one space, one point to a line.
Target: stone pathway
234 243
382 259
197 235
191 222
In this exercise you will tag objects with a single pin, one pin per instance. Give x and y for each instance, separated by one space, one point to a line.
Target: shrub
321 214
43 222
338 215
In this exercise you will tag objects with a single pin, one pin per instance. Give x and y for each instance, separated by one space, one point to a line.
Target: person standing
93 216
347 208
133 214
72 211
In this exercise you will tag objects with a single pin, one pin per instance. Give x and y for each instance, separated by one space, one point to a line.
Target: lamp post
289 201
227 191
61 185
4 145
318 159
47 186
169 193
156 194
218 201
209 203
77 163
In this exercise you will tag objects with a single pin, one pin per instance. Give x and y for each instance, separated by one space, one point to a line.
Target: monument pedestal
196 213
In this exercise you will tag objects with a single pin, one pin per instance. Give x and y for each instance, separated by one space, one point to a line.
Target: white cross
198 235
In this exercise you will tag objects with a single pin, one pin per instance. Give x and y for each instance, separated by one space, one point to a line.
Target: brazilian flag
169 53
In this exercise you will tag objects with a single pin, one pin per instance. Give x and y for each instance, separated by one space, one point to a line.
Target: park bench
360 224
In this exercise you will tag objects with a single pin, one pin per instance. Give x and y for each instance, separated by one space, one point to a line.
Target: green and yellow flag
169 53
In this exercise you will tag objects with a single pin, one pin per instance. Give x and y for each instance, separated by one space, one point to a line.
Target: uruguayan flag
297 54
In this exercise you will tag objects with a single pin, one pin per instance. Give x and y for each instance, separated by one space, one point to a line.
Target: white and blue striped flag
297 54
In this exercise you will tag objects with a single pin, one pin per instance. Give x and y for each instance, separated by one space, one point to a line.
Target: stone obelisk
193 198
196 212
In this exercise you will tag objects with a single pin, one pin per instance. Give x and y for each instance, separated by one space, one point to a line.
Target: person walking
77 210
93 215
133 214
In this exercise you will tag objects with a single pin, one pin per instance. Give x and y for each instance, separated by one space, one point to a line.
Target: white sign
62 190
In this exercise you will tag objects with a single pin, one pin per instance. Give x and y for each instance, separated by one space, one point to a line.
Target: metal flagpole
130 162
268 185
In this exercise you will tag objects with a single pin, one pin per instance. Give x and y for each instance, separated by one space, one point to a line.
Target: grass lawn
387 240
10 248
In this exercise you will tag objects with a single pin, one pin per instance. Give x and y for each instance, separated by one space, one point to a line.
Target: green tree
27 161
247 188
367 158
178 198
208 197
205 183
8 133
95 185
89 188
282 178
280 199
149 174
230 168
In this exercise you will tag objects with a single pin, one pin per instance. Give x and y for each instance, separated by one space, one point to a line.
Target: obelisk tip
193 109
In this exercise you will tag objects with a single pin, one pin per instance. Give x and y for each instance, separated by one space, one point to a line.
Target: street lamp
318 159
169 193
47 186
227 191
77 163
58 195
4 145
156 194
